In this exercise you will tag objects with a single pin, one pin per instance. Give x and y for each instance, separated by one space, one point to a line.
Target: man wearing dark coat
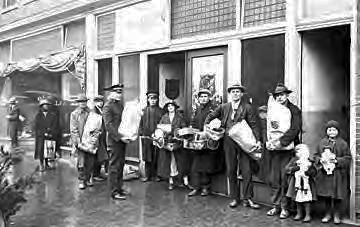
279 156
231 113
13 121
204 161
46 128
149 120
101 154
116 142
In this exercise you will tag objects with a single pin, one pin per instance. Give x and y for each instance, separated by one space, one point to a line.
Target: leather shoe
82 185
194 192
307 219
274 211
326 218
144 179
99 178
337 219
233 203
284 214
171 187
156 179
119 196
251 204
205 192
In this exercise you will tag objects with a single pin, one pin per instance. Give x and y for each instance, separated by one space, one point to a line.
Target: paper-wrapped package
130 120
326 160
242 134
278 122
92 130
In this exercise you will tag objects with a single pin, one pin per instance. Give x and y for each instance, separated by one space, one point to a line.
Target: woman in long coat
46 128
333 187
152 114
180 156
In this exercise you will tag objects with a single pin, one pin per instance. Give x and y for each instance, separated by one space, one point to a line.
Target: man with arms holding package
231 113
112 113
281 149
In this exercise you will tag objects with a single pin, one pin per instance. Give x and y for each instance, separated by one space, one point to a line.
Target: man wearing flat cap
151 117
112 113
280 155
101 154
205 161
77 123
231 113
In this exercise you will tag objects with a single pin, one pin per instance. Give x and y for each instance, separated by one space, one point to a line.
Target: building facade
311 46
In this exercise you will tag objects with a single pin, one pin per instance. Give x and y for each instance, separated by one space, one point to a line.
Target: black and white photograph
188 113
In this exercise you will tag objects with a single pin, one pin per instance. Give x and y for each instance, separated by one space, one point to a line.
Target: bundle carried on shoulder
278 122
130 120
92 130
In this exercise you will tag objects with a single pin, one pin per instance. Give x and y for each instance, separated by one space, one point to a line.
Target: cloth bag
92 130
130 120
278 122
49 149
242 134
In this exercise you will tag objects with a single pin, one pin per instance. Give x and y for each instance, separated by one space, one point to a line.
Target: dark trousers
234 157
97 168
13 133
151 166
278 179
85 165
116 166
201 180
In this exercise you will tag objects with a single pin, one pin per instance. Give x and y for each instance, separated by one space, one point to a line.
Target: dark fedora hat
171 102
81 98
236 85
116 88
281 88
204 91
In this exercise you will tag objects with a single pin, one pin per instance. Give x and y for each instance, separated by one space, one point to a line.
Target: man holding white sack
281 149
231 113
112 113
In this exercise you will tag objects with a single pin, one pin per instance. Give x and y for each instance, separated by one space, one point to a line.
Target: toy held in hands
328 160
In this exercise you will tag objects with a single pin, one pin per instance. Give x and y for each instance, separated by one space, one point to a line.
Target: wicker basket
214 134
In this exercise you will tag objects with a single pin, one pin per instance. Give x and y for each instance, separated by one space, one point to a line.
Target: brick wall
195 17
258 12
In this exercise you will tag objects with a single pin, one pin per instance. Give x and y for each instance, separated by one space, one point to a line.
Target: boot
337 219
299 212
307 212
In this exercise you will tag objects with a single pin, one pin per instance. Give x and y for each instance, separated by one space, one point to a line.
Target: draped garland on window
57 62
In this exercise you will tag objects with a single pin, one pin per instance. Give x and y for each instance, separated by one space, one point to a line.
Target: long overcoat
13 120
181 155
207 160
102 153
336 185
149 120
45 124
77 123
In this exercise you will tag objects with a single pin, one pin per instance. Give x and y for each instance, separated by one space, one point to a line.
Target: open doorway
325 83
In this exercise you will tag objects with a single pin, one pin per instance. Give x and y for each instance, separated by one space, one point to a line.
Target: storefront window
318 8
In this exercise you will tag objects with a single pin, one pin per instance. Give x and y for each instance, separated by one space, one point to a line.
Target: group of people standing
280 165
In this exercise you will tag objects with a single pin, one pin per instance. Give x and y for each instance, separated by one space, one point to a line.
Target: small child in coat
333 159
301 188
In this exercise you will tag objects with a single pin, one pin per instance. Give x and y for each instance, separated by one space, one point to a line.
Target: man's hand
125 140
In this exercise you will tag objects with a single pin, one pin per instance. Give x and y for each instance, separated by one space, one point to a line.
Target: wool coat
336 185
48 124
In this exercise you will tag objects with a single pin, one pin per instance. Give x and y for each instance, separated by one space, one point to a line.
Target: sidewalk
56 201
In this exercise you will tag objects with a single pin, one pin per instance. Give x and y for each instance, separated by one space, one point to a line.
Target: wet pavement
56 201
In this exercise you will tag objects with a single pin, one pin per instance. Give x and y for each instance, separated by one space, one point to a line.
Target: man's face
99 104
204 98
82 104
236 94
281 97
45 107
152 100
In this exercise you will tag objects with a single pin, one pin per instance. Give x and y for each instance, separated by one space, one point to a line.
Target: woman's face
332 132
45 107
171 108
